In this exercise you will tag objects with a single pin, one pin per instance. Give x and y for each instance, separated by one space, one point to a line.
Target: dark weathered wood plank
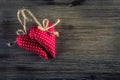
87 49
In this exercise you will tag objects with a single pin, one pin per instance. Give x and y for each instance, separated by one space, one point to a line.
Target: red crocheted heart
47 40
25 42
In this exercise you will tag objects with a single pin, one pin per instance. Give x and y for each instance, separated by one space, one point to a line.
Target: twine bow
43 26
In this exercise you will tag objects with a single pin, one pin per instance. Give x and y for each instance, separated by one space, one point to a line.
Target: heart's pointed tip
54 56
45 58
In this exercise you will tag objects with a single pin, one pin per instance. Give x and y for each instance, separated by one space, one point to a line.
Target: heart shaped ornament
40 39
46 38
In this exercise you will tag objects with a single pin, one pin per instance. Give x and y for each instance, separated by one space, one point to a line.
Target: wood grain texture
87 49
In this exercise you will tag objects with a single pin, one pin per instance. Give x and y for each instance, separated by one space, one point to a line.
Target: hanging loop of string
20 12
43 26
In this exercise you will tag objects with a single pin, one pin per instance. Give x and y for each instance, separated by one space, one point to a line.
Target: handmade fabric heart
25 42
46 38
41 39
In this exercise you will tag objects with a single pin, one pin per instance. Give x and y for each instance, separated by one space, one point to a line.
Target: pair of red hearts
39 42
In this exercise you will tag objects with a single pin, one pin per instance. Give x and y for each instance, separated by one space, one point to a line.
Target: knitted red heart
46 39
25 42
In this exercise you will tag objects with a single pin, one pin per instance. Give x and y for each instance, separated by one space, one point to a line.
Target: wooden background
87 49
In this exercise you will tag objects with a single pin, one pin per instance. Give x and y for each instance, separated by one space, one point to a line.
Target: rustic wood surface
87 49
